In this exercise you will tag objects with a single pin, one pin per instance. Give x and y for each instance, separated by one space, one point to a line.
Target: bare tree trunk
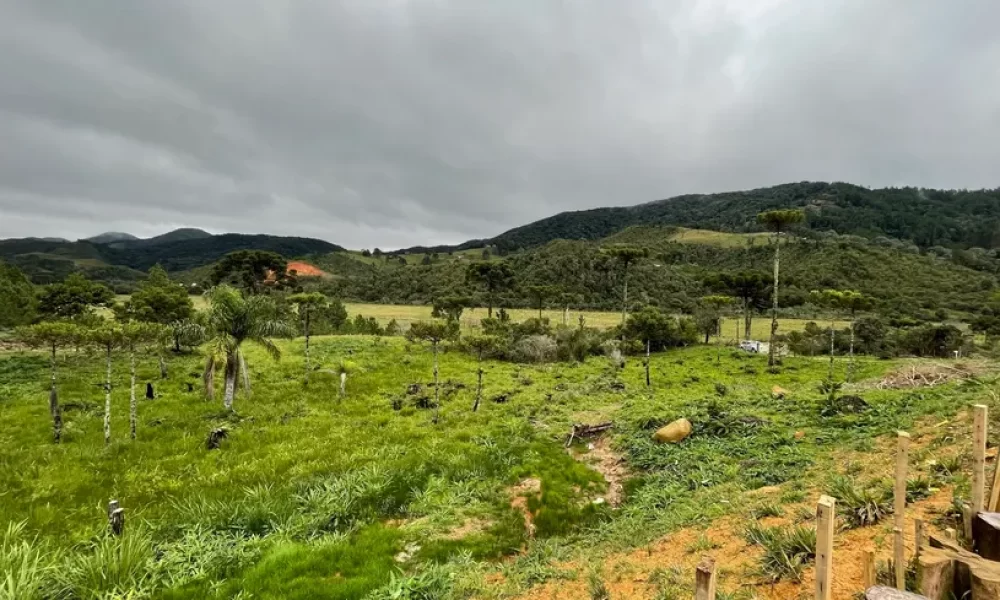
133 407
343 384
647 364
231 368
850 361
832 349
479 385
565 315
107 401
307 345
437 385
54 403
163 368
624 300
747 320
771 349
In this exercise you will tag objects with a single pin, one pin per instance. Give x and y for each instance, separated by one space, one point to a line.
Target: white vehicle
751 346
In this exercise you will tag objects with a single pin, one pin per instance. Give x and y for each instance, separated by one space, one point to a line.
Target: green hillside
950 218
682 262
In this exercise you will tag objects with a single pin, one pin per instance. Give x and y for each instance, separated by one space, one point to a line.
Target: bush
535 349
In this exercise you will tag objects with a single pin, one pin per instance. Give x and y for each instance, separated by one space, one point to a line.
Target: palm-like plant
232 320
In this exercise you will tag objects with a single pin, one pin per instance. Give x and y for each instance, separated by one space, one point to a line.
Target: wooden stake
918 536
978 459
705 579
995 489
967 517
825 520
899 507
868 567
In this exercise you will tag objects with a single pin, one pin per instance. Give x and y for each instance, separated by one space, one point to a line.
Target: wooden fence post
978 459
116 518
705 579
826 516
899 507
995 488
868 567
918 536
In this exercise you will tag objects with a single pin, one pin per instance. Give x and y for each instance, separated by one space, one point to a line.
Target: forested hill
121 260
679 271
954 219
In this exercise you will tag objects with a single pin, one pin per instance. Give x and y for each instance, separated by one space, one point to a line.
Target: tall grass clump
860 505
787 550
24 570
110 567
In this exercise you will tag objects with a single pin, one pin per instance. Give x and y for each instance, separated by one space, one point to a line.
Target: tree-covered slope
956 218
679 269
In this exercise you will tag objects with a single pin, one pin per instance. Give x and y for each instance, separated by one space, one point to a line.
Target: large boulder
673 432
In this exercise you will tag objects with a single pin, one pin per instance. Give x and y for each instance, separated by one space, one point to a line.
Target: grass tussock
860 505
787 550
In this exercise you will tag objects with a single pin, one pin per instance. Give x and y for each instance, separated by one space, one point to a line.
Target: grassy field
316 496
405 314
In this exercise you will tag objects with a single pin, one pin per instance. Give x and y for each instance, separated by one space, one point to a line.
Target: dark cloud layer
397 122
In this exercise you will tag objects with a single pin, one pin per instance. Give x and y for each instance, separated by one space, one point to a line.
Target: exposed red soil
303 269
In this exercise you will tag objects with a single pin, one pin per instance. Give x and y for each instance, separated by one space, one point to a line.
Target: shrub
535 349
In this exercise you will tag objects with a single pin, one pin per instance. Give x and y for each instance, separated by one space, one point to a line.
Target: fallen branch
580 430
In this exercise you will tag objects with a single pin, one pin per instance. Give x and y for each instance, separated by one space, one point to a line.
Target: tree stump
149 391
986 535
937 575
116 518
215 438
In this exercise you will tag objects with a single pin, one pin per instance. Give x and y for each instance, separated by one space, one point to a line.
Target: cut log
973 573
986 535
881 592
985 584
937 574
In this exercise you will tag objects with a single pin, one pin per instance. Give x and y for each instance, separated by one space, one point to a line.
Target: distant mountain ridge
111 236
950 218
125 259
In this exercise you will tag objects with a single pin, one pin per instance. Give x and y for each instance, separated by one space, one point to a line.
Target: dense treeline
676 276
948 218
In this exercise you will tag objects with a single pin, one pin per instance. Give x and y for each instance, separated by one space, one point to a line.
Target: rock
674 432
778 392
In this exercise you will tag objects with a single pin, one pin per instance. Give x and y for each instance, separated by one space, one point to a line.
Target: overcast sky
399 122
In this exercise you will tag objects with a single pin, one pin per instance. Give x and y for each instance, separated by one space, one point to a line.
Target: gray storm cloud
393 123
